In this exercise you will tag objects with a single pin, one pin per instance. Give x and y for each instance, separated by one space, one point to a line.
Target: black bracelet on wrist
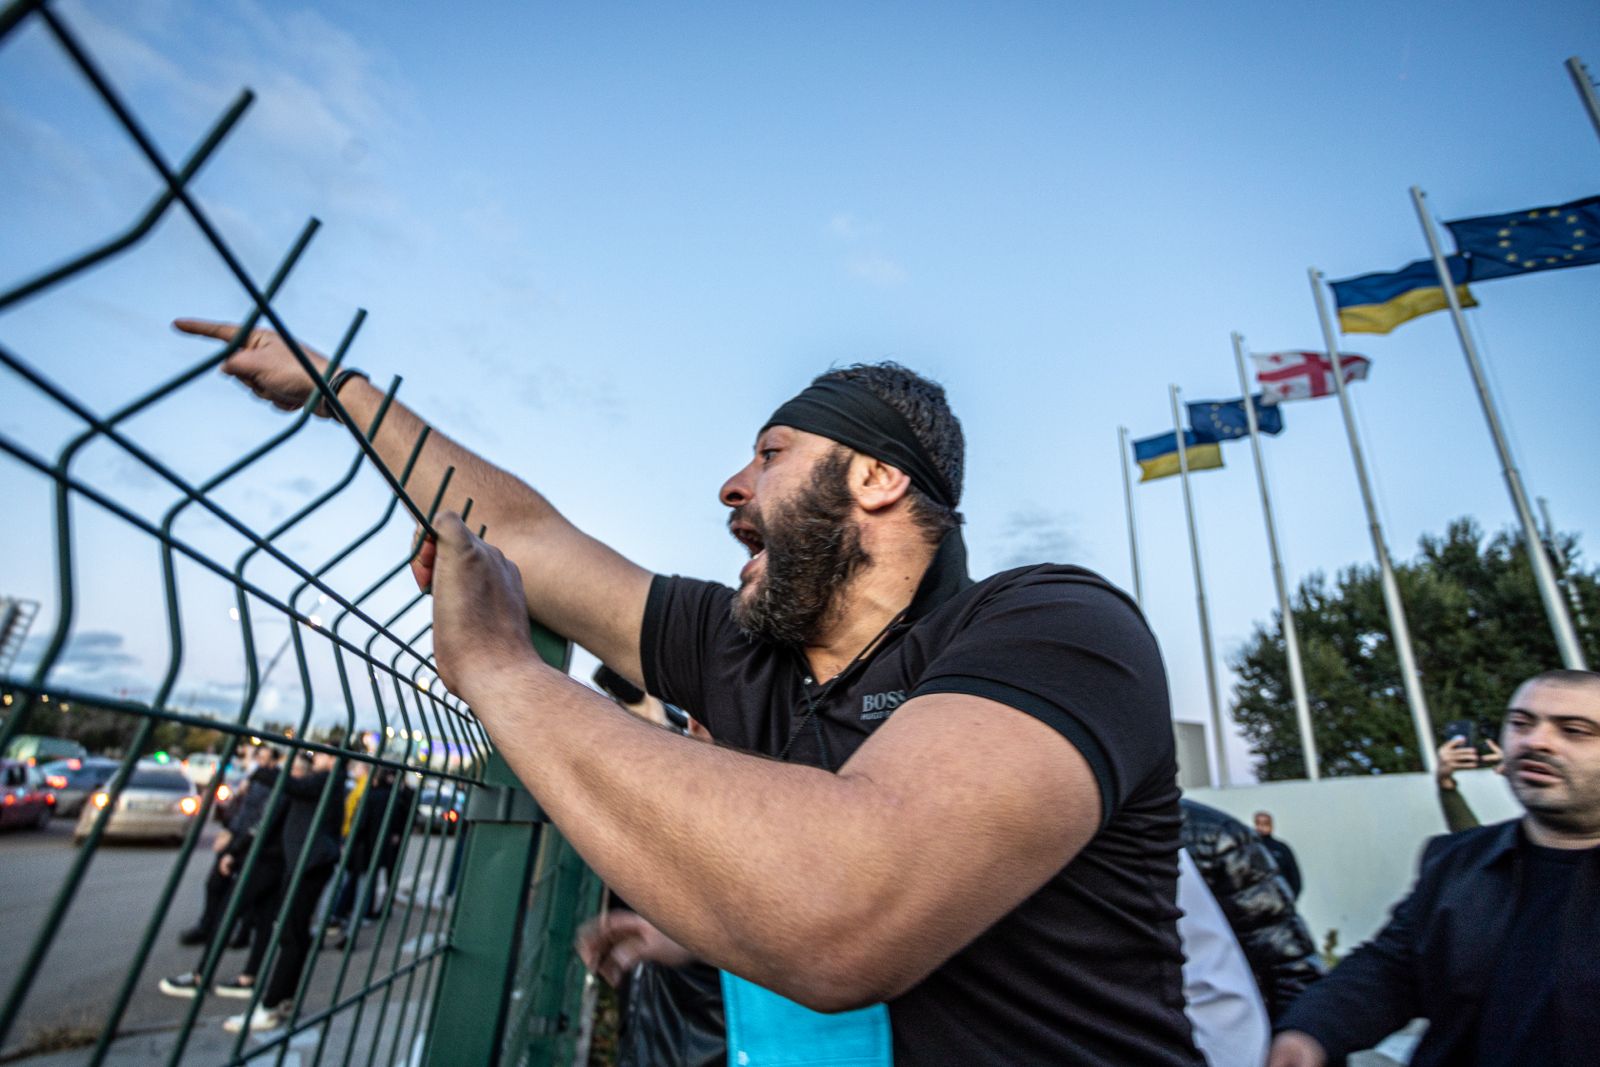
338 383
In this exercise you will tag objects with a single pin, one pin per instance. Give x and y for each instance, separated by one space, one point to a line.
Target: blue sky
602 242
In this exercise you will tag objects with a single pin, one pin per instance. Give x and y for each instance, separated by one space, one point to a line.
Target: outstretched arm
577 586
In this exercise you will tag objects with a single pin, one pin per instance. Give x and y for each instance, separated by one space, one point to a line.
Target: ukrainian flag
1377 303
1158 456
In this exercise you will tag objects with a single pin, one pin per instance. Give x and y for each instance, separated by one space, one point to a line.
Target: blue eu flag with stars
1223 420
1521 242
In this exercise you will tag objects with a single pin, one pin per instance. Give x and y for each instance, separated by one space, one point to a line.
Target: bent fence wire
468 958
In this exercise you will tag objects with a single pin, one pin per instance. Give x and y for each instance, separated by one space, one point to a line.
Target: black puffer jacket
1257 902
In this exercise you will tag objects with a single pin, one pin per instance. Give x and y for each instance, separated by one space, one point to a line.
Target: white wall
1358 839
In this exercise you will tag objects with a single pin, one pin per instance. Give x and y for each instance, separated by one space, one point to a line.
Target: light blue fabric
766 1030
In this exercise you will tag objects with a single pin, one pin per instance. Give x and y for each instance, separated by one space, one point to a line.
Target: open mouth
1537 773
746 535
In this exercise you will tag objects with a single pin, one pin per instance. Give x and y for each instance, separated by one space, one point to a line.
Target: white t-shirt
1220 994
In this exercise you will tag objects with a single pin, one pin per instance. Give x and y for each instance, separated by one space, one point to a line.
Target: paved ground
72 994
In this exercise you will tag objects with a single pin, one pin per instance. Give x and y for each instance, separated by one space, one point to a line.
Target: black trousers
294 943
258 906
217 887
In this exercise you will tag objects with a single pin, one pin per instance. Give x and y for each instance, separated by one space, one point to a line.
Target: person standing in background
1281 852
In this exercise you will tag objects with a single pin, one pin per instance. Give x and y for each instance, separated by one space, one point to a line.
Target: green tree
1476 621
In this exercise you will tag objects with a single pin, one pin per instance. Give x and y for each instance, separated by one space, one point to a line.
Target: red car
24 800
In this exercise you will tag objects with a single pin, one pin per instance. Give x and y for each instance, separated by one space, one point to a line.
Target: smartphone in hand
1467 730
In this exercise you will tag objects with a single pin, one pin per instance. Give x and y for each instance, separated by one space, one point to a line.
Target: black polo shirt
1086 971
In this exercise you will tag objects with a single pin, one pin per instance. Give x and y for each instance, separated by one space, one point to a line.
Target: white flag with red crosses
1303 375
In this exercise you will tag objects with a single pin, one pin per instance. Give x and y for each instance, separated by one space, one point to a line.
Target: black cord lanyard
811 714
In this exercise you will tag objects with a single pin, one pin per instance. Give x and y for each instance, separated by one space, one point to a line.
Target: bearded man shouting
955 798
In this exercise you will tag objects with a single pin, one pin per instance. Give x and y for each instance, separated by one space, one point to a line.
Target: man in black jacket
230 846
308 823
1496 946
1282 854
1257 902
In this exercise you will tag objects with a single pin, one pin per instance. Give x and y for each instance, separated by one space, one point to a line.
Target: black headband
849 413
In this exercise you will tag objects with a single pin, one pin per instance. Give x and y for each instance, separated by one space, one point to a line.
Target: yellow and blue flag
1224 420
1521 242
1158 456
1377 303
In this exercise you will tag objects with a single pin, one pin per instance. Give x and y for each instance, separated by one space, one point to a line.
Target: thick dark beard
813 548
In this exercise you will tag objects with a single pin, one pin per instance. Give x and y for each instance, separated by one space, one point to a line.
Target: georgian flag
1303 375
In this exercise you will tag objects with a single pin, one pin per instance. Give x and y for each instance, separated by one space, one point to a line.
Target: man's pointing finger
222 331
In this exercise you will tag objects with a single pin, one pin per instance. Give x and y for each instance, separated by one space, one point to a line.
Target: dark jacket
1288 866
1443 943
300 829
252 803
1256 901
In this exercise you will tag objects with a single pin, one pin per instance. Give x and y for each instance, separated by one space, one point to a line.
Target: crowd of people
295 830
943 813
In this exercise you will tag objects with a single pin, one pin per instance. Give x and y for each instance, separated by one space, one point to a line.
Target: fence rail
469 958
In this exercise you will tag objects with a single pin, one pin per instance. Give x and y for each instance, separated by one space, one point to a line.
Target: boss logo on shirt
879 705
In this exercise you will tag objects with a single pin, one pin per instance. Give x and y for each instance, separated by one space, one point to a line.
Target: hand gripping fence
468 958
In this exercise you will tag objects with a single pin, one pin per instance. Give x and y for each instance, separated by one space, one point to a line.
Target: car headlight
189 805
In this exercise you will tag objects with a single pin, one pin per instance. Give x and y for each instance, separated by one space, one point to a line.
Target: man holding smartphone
1463 750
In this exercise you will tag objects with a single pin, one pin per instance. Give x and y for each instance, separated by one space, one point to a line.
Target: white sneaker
185 985
234 988
262 1018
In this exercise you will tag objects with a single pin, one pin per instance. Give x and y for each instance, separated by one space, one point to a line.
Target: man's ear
877 485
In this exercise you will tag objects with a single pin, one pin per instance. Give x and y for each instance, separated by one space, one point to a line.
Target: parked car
34 749
24 798
200 766
440 807
158 801
72 780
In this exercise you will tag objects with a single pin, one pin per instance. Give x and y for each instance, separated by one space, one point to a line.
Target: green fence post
545 1026
473 1000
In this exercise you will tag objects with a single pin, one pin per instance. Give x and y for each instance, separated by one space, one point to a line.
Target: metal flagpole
1220 742
1564 563
1133 534
1291 638
1398 629
1586 90
1544 576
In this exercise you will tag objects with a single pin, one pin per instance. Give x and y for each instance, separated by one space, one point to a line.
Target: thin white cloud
844 227
864 261
323 99
876 269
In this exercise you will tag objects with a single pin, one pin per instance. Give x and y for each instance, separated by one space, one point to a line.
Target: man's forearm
764 868
500 501
577 586
1458 814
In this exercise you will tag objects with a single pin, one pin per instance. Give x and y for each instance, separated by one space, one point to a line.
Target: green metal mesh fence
467 958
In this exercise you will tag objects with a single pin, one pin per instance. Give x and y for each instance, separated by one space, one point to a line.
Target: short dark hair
922 404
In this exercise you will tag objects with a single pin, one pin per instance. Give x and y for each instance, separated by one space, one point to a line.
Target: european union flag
1541 238
1224 420
1377 303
